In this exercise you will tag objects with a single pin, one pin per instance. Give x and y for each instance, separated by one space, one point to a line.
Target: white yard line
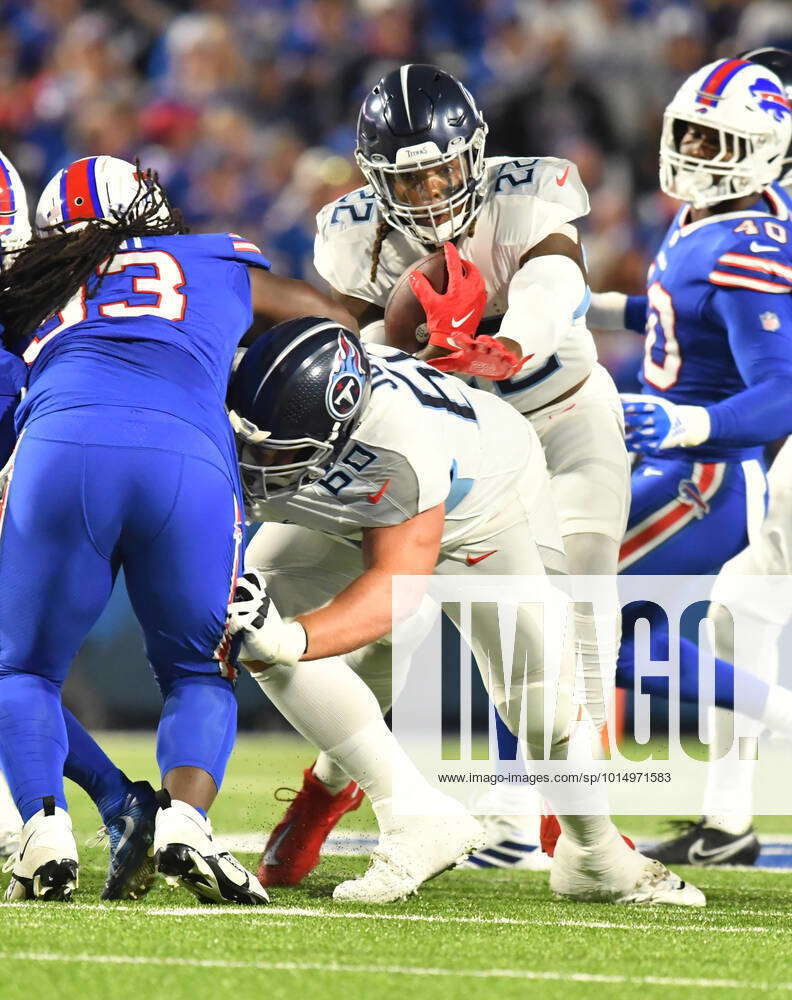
402 970
265 914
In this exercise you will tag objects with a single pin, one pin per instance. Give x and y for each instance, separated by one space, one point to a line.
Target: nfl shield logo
770 322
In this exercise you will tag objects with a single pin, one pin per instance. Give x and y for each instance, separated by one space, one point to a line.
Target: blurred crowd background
247 109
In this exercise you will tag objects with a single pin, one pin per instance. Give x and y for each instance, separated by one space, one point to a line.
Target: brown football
405 319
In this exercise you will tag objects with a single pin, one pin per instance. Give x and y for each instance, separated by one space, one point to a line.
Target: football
405 319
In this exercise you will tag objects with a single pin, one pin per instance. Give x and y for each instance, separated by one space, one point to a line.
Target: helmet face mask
420 146
294 401
277 469
745 108
15 231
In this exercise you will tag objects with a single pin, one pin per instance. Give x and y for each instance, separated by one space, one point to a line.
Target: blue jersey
158 334
719 324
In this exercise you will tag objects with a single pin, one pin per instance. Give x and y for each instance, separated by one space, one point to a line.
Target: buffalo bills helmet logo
771 98
347 380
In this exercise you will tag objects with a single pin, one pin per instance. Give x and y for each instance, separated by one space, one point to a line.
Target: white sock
333 777
597 648
395 786
777 714
331 707
728 797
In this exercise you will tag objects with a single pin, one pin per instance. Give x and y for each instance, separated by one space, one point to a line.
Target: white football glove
266 637
653 424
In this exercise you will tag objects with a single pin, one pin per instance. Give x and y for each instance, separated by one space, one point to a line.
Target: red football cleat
550 831
293 847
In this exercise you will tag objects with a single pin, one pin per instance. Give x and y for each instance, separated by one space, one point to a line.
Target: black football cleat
705 846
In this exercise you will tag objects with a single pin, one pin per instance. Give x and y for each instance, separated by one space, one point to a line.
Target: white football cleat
420 848
511 842
186 854
612 873
45 865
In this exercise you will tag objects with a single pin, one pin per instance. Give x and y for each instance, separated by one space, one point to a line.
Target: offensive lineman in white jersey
421 145
328 447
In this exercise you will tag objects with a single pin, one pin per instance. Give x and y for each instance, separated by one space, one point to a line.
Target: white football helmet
96 187
15 229
746 105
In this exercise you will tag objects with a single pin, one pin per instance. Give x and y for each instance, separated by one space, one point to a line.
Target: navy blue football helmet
779 61
294 400
420 145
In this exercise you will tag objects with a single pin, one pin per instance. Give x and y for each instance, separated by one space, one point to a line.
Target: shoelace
282 798
102 836
11 861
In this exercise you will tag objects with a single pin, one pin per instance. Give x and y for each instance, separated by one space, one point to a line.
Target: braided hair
46 273
383 228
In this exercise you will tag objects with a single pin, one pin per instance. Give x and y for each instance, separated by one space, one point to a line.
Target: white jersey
527 200
424 439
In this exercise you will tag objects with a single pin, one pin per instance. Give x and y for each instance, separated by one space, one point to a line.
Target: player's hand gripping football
653 424
267 640
453 316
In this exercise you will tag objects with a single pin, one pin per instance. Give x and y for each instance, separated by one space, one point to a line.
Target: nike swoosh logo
270 856
472 560
561 181
458 322
22 852
757 247
376 497
129 825
696 853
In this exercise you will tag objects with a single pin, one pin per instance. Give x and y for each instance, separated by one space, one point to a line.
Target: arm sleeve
545 297
759 328
635 313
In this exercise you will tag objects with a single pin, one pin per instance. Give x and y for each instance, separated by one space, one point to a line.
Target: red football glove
484 356
458 309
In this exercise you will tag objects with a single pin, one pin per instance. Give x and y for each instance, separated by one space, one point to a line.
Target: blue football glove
653 424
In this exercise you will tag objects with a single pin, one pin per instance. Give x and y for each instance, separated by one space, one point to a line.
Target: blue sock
198 725
90 767
32 740
507 741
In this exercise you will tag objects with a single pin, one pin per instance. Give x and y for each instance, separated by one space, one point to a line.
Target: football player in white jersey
421 144
328 447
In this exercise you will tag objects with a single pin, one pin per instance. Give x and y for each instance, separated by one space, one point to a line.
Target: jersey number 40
661 339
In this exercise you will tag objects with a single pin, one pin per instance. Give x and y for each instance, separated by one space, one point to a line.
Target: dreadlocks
383 228
51 268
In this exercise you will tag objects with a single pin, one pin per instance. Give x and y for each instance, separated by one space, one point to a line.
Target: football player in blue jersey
125 457
718 322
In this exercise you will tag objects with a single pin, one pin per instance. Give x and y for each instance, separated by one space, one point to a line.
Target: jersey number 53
164 283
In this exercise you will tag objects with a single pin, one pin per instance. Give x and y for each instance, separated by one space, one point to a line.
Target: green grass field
498 935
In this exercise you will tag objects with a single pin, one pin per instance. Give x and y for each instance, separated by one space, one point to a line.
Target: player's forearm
545 296
617 311
276 299
755 416
360 614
